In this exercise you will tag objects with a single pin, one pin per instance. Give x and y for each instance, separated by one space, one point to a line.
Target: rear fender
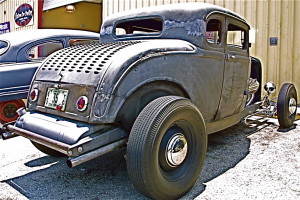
137 99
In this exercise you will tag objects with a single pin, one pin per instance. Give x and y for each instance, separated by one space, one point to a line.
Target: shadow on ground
106 176
225 150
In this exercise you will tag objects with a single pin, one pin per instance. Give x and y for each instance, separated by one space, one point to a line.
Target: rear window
3 46
74 42
43 50
140 27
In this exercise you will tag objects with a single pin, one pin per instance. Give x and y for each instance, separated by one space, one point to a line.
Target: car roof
27 36
185 21
176 11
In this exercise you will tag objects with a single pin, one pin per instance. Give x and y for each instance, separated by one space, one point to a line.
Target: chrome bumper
88 142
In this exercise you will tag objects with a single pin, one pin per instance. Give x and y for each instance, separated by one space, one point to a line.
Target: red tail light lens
82 103
34 94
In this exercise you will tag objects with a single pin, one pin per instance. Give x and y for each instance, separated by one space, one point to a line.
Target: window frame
221 35
243 26
93 41
139 35
222 18
5 48
41 43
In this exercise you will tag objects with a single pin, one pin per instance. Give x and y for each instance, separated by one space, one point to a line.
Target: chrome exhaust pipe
73 162
8 135
5 134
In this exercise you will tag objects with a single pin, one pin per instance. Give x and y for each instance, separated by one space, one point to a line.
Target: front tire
287 105
166 148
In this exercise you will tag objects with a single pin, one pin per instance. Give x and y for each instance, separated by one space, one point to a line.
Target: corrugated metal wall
9 7
269 18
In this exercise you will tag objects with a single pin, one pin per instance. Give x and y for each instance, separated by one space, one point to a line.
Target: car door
211 63
237 66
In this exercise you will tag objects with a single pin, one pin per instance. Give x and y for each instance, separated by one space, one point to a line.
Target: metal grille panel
82 64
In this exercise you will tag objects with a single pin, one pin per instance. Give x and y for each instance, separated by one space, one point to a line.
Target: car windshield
139 27
3 47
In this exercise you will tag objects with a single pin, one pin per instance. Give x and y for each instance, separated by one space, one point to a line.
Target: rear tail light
34 95
81 103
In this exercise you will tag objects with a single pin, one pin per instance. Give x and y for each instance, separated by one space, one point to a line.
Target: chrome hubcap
176 149
292 106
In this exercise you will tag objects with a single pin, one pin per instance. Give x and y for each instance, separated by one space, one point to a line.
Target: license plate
55 97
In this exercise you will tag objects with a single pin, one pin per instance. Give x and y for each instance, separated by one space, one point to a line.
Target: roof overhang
51 4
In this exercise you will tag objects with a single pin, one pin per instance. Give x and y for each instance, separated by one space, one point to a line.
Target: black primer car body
164 76
177 61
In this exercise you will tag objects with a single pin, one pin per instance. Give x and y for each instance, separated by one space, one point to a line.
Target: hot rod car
159 81
21 53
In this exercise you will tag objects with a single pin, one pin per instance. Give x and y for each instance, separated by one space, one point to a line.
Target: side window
73 42
214 31
139 27
236 36
43 50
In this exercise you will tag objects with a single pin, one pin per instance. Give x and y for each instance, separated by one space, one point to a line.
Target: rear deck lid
82 64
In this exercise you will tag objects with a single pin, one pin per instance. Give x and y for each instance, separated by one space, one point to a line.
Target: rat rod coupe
160 80
21 53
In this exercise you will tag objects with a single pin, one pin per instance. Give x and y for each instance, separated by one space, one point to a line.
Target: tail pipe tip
73 162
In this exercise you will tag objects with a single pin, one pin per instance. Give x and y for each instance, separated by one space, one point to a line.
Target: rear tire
47 150
166 148
287 105
8 110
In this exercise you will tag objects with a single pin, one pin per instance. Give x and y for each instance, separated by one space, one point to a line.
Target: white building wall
7 12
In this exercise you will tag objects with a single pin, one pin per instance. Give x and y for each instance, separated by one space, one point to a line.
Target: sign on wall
4 27
24 15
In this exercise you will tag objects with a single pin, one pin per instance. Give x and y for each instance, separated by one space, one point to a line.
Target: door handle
231 57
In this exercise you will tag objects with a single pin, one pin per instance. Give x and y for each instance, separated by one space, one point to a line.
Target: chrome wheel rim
292 106
176 151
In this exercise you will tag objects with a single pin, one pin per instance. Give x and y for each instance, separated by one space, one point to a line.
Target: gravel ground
270 170
246 161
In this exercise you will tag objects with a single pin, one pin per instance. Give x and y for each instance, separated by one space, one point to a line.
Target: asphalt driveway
246 161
